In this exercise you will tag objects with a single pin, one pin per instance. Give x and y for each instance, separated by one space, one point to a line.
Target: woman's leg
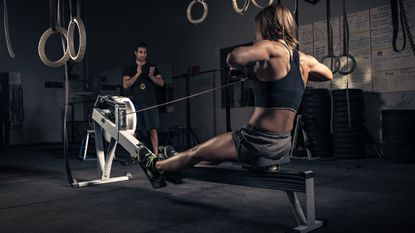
219 148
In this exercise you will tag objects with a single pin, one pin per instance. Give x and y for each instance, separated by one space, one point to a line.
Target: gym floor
365 195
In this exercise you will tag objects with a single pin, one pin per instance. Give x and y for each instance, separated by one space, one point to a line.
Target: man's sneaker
147 161
166 152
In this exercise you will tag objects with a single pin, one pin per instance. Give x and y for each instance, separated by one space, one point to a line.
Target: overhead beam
312 1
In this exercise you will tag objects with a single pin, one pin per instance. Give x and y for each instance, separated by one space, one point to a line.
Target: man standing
141 78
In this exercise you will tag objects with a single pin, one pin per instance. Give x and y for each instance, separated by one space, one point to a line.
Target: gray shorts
260 147
148 119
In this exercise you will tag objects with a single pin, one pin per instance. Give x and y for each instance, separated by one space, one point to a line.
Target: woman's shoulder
306 59
275 48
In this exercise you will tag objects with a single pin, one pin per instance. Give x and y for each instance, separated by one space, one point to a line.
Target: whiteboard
379 67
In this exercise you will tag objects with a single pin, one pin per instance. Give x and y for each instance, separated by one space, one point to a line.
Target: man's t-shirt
143 91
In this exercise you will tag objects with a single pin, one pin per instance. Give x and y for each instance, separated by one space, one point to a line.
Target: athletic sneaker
147 161
166 152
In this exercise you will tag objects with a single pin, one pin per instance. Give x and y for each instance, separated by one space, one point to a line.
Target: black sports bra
285 93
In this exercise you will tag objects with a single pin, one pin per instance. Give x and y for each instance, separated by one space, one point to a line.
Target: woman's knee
216 149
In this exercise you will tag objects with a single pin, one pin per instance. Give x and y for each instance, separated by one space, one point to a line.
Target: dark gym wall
187 44
43 107
114 26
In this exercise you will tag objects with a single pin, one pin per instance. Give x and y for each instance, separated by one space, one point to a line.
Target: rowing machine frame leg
104 161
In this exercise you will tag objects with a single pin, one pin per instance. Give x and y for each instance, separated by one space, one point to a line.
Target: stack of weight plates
315 111
398 135
349 133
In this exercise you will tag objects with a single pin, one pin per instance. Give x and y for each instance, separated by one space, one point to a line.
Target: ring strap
52 11
396 17
330 53
345 30
78 8
329 29
399 15
346 54
70 10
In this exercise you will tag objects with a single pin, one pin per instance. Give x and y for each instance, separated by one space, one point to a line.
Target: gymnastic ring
6 31
242 10
76 22
338 64
333 59
42 43
259 6
189 10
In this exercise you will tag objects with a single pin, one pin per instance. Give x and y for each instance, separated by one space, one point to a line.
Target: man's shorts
148 119
260 147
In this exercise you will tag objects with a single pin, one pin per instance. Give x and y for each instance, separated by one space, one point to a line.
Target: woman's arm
260 51
317 72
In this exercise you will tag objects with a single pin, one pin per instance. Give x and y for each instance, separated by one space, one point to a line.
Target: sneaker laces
150 157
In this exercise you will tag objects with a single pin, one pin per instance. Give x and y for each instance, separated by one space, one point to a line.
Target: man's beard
141 59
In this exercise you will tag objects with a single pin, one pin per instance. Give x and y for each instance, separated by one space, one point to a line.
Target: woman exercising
281 76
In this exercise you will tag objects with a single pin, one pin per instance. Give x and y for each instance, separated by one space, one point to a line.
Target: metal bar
214 104
312 1
297 123
99 146
210 71
129 143
188 122
296 208
73 123
202 72
228 107
283 180
310 202
109 158
97 182
86 145
306 141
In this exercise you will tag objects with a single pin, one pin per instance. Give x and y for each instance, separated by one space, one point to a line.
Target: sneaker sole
156 183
